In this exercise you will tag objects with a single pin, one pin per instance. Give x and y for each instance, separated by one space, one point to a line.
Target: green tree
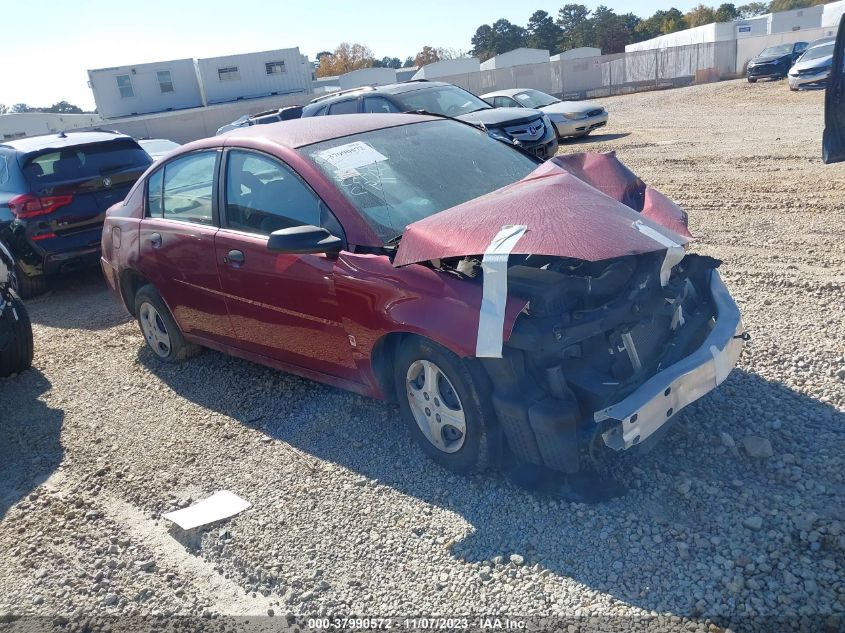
789 5
409 62
63 107
752 9
483 42
575 26
21 107
609 30
727 12
3 108
508 36
543 32
700 16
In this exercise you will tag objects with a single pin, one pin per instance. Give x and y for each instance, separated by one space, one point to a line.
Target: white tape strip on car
494 297
674 251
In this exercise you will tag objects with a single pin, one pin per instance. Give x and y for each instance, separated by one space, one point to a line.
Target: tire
751 80
27 287
17 356
465 451
161 333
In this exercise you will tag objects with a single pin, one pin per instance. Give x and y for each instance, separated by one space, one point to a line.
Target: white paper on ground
351 156
220 505
674 251
494 298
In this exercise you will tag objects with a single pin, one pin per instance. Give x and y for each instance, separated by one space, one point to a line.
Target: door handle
234 257
155 240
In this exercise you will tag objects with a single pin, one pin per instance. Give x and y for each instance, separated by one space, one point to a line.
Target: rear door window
379 105
350 106
86 162
187 188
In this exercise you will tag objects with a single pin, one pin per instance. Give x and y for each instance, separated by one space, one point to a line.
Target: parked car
54 192
528 128
15 327
813 67
571 119
497 298
157 147
774 62
262 118
833 141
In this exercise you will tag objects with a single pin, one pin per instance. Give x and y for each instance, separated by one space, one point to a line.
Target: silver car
570 118
813 67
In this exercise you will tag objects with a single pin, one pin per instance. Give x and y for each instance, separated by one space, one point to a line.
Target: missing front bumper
651 406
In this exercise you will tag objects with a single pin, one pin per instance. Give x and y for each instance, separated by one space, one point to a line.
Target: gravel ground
349 517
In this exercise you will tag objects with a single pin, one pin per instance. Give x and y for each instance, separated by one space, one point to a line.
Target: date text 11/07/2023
416 623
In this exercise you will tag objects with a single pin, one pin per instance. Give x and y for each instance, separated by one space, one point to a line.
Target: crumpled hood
768 59
585 206
819 62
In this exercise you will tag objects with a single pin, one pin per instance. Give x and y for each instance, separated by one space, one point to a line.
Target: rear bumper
646 410
579 127
71 260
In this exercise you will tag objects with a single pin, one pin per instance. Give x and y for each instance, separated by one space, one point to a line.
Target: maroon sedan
546 309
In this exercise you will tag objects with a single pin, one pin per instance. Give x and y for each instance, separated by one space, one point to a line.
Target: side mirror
303 239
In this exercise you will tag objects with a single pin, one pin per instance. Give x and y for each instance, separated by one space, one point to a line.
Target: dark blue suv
54 192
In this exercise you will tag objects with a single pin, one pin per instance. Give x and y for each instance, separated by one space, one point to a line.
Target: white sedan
813 67
570 118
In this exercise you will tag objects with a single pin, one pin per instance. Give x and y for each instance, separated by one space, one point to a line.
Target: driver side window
504 102
263 195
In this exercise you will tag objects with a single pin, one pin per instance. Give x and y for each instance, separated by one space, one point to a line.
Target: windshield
396 176
448 100
535 99
774 51
817 52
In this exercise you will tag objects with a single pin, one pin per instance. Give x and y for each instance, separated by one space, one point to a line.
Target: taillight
28 205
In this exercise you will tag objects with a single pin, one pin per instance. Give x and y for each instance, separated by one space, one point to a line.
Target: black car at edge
15 327
774 61
54 192
833 143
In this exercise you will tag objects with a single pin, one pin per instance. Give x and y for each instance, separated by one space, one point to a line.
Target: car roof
822 41
60 140
300 132
504 93
390 89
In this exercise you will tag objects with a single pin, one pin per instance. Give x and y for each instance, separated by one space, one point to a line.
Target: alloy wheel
152 325
436 406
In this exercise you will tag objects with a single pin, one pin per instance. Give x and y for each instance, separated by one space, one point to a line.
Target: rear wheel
160 330
445 408
752 80
17 356
26 286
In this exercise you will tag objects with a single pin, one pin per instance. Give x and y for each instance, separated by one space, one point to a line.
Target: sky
49 44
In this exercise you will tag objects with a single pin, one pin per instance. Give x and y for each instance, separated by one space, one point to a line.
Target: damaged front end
621 328
603 351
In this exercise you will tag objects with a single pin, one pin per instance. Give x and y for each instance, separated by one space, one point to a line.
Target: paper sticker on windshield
351 156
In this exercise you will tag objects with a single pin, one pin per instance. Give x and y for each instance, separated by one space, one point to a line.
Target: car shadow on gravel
704 530
30 437
77 300
593 138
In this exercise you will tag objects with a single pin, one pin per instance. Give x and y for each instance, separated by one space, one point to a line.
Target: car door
177 243
833 141
282 306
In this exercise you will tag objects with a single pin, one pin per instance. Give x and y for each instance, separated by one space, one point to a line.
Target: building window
229 73
165 83
274 68
124 85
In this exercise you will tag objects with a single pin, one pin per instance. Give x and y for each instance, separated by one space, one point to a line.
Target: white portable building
449 67
795 20
582 52
232 77
367 77
517 57
832 14
144 88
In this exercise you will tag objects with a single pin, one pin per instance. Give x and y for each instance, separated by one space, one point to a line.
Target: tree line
576 25
348 57
61 107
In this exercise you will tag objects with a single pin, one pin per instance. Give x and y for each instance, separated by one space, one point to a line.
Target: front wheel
751 80
445 407
17 356
159 328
